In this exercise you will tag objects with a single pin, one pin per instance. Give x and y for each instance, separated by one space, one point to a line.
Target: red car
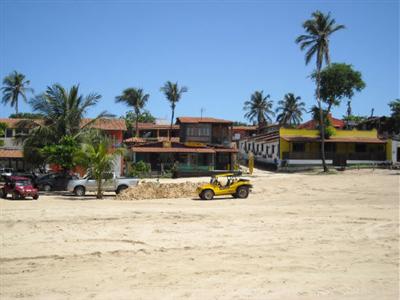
19 188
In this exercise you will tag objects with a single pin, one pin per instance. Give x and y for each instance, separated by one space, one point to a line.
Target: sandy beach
298 236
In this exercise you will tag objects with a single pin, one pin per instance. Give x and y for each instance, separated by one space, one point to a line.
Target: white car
111 183
6 171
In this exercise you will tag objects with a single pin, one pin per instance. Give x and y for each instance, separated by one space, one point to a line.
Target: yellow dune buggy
225 184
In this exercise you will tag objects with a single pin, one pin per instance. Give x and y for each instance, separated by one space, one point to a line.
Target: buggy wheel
15 196
3 194
242 192
207 195
35 197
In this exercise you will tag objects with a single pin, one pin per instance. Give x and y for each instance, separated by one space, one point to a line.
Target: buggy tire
79 191
3 194
35 197
207 194
242 192
15 196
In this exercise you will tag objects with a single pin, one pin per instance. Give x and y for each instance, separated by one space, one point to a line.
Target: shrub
139 169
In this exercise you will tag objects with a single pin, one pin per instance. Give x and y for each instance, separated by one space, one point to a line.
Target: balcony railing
378 156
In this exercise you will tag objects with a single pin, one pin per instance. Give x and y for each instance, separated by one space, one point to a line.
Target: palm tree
259 108
316 40
290 110
95 156
173 93
63 112
14 86
135 98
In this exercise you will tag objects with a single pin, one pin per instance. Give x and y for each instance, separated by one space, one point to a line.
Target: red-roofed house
312 124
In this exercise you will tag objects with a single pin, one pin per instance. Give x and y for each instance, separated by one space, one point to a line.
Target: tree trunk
16 106
172 120
321 123
137 126
99 189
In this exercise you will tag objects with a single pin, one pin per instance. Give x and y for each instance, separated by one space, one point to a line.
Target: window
267 150
361 148
262 148
330 147
9 132
299 147
273 149
258 148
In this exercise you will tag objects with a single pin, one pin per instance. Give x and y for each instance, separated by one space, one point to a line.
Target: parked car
111 183
6 171
235 186
19 188
54 181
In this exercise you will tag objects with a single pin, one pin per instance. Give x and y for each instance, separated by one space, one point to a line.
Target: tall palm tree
14 86
290 110
173 93
63 112
259 108
316 40
135 98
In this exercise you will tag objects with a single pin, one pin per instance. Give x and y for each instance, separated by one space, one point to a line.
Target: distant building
11 153
280 146
202 145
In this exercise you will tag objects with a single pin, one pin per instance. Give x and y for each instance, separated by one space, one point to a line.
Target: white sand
295 237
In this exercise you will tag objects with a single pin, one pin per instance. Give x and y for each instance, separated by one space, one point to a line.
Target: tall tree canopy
290 110
136 99
259 108
63 111
339 81
173 94
315 41
15 86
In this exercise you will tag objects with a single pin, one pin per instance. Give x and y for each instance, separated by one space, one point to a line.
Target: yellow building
301 147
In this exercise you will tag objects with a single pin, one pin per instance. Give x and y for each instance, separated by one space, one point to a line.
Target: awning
335 140
11 153
171 150
226 150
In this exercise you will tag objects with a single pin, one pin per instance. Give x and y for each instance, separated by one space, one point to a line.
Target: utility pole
201 112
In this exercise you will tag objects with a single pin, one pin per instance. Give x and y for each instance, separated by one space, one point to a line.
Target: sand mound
153 190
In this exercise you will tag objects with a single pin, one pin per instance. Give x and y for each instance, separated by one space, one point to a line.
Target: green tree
338 81
26 116
63 111
15 86
62 153
173 94
130 119
259 108
395 108
135 98
96 157
3 127
316 40
290 110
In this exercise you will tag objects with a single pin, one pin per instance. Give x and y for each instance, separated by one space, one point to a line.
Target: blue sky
221 50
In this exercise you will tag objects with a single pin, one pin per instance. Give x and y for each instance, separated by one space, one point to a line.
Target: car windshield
22 182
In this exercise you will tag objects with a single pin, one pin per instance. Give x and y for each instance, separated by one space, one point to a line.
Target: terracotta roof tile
337 123
11 153
202 120
106 124
149 126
